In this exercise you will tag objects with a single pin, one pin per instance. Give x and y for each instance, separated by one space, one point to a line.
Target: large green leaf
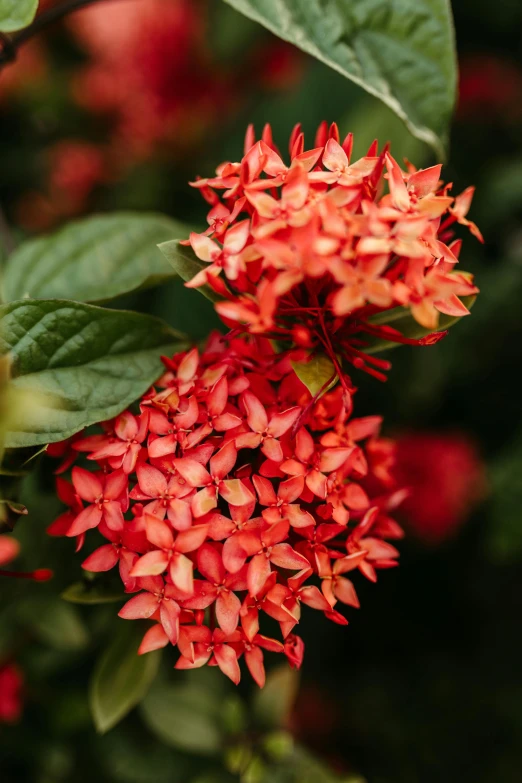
400 318
121 677
186 716
15 14
186 264
400 51
83 363
93 259
54 622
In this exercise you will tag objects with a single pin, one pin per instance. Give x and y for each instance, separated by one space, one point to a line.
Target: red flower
209 533
445 478
313 254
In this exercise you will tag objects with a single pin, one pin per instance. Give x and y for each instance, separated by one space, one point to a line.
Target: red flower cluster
313 253
232 494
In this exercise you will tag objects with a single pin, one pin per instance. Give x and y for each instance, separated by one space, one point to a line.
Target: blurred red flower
446 478
11 686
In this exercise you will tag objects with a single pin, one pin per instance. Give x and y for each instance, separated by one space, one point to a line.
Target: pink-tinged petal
248 440
258 573
333 459
182 573
366 427
334 157
204 248
131 458
158 532
237 548
200 658
192 539
87 519
327 588
275 533
154 639
140 607
179 514
316 483
312 596
161 447
284 556
254 661
237 237
235 492
102 559
249 621
291 489
113 515
424 181
297 517
292 467
225 422
220 527
222 463
304 445
345 591
296 187
203 502
227 661
256 413
151 564
193 472
281 422
87 485
189 364
398 190
210 564
265 490
272 449
169 617
204 595
227 611
350 562
218 397
126 426
151 481
355 497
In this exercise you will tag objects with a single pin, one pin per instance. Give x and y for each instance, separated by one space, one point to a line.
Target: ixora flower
233 494
316 252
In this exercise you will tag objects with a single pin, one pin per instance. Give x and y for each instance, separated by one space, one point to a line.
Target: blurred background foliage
426 684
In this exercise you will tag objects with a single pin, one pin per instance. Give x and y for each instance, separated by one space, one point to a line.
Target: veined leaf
316 373
401 52
121 677
84 364
93 259
16 14
186 264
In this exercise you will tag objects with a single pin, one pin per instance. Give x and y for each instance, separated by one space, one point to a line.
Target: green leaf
121 677
186 264
273 704
91 592
82 363
400 318
186 716
402 53
315 373
55 623
93 259
16 14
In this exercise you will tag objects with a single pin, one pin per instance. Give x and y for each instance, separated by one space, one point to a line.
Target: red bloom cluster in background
150 69
230 495
445 478
312 253
11 688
